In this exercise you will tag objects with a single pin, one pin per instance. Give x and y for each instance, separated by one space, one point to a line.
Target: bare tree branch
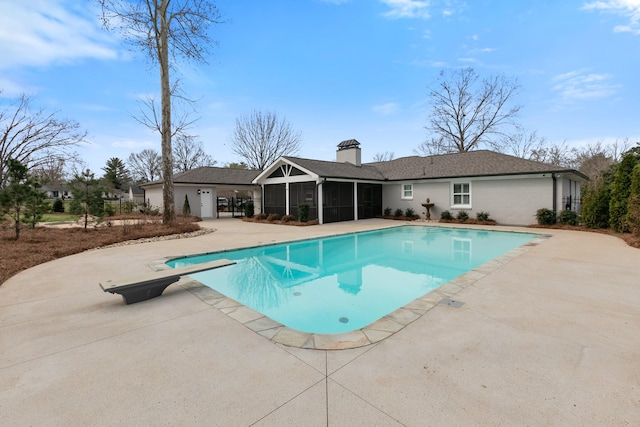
34 137
260 138
188 154
468 112
145 166
383 157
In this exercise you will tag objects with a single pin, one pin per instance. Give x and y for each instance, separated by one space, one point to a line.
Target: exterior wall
153 197
510 201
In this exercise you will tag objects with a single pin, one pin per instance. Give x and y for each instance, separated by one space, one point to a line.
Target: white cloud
627 8
407 9
386 109
580 85
44 32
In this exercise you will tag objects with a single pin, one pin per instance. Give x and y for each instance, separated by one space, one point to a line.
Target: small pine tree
15 198
36 204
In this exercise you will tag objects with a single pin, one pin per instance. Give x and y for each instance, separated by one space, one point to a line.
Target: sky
334 69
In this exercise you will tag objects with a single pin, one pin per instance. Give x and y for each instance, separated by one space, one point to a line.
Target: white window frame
462 194
403 189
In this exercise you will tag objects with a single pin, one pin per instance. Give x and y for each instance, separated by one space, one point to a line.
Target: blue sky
335 69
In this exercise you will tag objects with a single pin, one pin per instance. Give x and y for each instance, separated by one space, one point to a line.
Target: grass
39 245
59 217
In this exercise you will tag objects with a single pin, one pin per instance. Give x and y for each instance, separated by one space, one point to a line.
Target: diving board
152 284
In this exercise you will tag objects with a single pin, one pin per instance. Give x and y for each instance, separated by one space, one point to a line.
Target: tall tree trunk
169 211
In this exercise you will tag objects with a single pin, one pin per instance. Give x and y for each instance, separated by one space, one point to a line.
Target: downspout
555 192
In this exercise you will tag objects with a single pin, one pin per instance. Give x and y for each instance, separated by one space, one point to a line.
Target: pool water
343 283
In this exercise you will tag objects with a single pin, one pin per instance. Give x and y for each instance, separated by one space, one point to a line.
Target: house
509 188
60 191
201 187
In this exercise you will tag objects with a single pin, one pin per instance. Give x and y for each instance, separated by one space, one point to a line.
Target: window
462 194
407 191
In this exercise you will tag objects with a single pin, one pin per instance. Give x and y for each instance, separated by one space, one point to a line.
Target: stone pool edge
371 334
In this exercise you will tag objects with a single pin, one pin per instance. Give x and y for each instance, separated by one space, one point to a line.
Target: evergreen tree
21 188
620 191
633 208
116 174
87 190
36 204
186 209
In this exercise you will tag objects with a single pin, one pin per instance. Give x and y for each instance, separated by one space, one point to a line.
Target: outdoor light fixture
198 191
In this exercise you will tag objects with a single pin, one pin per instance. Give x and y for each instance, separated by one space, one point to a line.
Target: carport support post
286 196
320 202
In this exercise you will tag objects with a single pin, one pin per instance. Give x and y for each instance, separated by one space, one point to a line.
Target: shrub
482 216
397 213
409 213
568 218
595 206
109 210
249 209
303 212
288 218
58 206
186 208
387 211
462 216
273 217
633 208
546 216
446 215
261 216
75 207
620 192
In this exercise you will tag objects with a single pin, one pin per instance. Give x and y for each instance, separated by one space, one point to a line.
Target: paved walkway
550 338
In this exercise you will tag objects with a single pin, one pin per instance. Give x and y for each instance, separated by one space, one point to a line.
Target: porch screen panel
369 200
275 199
303 192
337 201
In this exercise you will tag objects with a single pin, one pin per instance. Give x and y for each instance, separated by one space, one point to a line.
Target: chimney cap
349 143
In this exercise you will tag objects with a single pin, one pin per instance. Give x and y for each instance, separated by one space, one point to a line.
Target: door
206 203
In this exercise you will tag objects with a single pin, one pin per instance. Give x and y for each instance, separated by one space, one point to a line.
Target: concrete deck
549 338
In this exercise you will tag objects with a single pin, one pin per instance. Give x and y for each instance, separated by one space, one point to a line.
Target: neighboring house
509 188
57 191
201 186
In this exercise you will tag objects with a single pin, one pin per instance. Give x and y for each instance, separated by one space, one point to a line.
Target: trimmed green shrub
387 211
482 216
409 213
446 215
397 213
595 205
249 209
568 218
58 206
620 192
546 216
462 216
303 212
633 208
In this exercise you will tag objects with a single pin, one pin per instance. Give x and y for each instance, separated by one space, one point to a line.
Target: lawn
39 245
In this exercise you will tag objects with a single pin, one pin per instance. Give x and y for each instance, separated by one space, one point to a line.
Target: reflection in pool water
343 283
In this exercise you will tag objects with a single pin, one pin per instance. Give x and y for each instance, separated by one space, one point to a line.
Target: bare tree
34 137
554 154
188 153
383 157
165 30
468 112
51 171
523 143
260 138
145 166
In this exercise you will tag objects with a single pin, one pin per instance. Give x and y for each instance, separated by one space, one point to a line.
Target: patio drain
450 303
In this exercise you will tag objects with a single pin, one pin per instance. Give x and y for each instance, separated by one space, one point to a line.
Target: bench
152 284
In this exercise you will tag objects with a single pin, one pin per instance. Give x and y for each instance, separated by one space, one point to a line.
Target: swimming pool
343 283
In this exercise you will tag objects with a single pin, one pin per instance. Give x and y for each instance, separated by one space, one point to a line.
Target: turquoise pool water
343 283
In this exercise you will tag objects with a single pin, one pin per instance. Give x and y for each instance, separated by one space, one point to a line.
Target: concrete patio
551 338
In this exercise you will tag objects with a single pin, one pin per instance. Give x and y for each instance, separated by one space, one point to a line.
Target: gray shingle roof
214 175
338 170
467 164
